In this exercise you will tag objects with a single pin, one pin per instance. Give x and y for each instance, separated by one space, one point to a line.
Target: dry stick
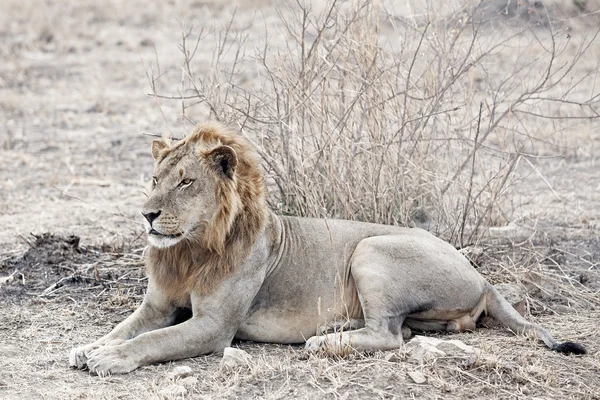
472 376
396 134
55 286
152 80
461 69
159 135
544 179
475 148
199 91
407 86
592 264
485 136
486 186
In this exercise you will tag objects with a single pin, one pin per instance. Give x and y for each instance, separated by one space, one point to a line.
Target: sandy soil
73 161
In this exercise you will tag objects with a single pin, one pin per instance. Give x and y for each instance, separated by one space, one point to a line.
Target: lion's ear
158 145
223 159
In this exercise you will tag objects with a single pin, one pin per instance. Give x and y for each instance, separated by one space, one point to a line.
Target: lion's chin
162 241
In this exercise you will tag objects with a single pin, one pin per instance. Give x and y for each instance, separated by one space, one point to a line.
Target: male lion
244 272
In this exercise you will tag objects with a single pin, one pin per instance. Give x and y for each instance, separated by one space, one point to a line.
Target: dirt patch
48 259
56 267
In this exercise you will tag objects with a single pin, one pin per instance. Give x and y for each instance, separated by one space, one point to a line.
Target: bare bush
417 130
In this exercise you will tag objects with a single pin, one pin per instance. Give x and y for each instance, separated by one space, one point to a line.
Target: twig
468 197
55 286
159 135
543 178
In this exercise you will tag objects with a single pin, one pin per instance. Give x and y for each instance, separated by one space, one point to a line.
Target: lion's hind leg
384 298
338 327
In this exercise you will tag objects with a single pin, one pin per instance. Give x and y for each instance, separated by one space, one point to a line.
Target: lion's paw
110 359
333 343
314 343
78 356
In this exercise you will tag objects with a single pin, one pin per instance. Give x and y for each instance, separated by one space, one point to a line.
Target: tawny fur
231 233
247 273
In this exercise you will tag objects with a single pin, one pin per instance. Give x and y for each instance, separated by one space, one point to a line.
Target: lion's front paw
78 356
112 358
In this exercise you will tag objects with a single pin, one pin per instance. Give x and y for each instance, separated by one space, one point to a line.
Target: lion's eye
186 183
154 181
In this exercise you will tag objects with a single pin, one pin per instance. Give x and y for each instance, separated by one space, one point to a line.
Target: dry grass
509 367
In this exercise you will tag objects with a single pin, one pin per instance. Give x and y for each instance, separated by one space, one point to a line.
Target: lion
215 249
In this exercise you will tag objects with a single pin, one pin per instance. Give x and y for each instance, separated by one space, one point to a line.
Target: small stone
189 381
417 377
424 344
10 350
173 390
455 347
234 358
512 292
560 309
7 279
472 253
146 42
180 372
419 340
422 347
425 351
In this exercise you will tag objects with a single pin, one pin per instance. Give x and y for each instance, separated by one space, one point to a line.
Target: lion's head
207 189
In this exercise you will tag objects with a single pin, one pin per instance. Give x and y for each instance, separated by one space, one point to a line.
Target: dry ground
73 162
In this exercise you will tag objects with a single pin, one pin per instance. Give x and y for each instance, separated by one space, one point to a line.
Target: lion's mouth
157 233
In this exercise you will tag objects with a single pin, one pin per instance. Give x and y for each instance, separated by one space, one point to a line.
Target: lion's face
183 198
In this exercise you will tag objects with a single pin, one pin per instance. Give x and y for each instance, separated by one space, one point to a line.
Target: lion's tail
501 310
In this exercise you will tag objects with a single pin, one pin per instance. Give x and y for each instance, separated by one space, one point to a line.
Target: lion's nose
151 216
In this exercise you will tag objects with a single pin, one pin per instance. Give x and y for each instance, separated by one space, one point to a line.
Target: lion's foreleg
153 313
189 339
216 318
145 319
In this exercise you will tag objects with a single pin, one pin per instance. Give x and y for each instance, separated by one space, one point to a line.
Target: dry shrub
428 126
